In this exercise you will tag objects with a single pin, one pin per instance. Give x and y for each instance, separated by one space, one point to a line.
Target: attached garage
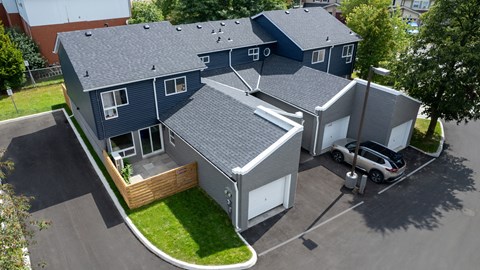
269 196
334 131
399 136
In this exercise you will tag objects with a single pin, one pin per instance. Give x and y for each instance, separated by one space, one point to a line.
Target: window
171 137
175 86
266 52
205 59
111 100
420 4
255 52
347 53
320 1
123 145
318 56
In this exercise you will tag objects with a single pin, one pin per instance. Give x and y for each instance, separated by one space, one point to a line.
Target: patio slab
152 166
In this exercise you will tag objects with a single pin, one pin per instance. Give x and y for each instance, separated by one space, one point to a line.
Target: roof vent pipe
219 39
213 32
154 68
328 39
229 40
88 33
86 74
220 30
146 26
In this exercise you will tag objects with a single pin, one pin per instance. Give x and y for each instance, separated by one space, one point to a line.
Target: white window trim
115 101
323 56
151 143
266 52
123 150
171 135
175 80
347 55
205 59
255 52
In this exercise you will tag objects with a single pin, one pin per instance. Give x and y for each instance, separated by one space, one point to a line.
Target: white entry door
335 130
269 196
399 136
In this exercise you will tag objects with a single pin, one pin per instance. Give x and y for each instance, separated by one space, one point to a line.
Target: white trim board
336 97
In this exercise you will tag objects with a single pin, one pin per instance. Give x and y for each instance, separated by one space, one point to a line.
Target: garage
399 136
334 131
268 196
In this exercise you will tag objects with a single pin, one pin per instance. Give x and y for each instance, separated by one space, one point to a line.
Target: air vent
222 24
220 30
154 68
213 32
229 40
287 12
351 33
237 22
219 39
199 26
146 26
88 33
328 39
86 74
179 29
306 10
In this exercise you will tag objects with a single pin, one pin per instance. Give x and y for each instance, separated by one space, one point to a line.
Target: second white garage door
269 196
399 136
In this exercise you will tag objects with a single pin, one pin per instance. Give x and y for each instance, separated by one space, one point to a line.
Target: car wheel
376 176
337 156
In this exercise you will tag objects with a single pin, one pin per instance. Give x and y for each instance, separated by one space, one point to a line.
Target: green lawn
418 137
31 101
191 227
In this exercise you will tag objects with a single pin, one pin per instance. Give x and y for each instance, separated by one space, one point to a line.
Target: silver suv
381 163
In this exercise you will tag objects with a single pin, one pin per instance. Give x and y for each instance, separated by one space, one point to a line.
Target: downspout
155 96
237 172
100 109
317 120
329 55
230 64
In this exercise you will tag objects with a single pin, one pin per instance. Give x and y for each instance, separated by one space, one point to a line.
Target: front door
151 140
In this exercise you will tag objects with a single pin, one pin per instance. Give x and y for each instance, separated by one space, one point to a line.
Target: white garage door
334 131
269 196
399 136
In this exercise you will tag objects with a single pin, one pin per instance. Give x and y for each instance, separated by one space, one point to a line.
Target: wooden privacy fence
155 187
65 95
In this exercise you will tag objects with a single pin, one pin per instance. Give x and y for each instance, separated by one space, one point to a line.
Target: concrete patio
151 166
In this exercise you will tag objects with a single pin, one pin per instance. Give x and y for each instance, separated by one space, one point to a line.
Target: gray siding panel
405 109
285 46
282 162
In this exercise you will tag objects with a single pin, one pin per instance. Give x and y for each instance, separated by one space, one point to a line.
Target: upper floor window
418 4
318 56
255 52
175 86
111 100
205 59
347 53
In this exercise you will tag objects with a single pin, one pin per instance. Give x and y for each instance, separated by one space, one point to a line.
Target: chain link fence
42 74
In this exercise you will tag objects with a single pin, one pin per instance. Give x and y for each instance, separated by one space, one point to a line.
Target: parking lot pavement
320 196
87 232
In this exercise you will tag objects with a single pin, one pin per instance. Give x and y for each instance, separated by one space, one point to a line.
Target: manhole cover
468 212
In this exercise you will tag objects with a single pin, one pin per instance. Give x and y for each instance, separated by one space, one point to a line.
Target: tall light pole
351 178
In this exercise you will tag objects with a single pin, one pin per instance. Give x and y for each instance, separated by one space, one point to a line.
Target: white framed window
255 52
266 52
171 137
205 59
175 86
418 4
318 56
320 1
111 100
123 144
347 53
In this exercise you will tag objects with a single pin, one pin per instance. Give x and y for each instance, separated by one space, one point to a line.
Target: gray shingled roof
225 76
290 81
242 33
225 131
117 55
309 30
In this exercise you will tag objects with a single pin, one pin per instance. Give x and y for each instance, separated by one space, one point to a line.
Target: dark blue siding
239 56
75 90
338 65
307 59
140 112
285 46
217 59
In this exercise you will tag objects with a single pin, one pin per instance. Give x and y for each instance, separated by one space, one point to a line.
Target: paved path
87 231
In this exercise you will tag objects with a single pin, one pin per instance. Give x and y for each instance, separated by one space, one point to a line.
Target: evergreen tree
11 63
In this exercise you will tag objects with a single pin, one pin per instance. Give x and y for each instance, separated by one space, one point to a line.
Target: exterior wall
217 59
285 46
307 59
308 124
239 56
282 162
338 65
405 109
4 16
210 179
10 6
141 111
35 12
45 36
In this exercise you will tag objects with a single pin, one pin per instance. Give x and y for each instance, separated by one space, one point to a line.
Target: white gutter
329 55
230 64
155 96
337 96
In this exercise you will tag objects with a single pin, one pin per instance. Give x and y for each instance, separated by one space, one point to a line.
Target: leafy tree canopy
28 47
143 12
11 63
442 67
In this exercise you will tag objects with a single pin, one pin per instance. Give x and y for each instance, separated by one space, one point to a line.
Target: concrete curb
28 116
440 146
141 237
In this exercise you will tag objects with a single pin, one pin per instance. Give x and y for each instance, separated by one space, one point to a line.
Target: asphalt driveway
87 232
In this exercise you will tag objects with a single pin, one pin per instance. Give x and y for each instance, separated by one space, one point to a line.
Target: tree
442 67
28 47
247 8
143 12
11 63
382 30
167 7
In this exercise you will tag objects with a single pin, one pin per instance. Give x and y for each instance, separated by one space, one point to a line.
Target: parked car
381 163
